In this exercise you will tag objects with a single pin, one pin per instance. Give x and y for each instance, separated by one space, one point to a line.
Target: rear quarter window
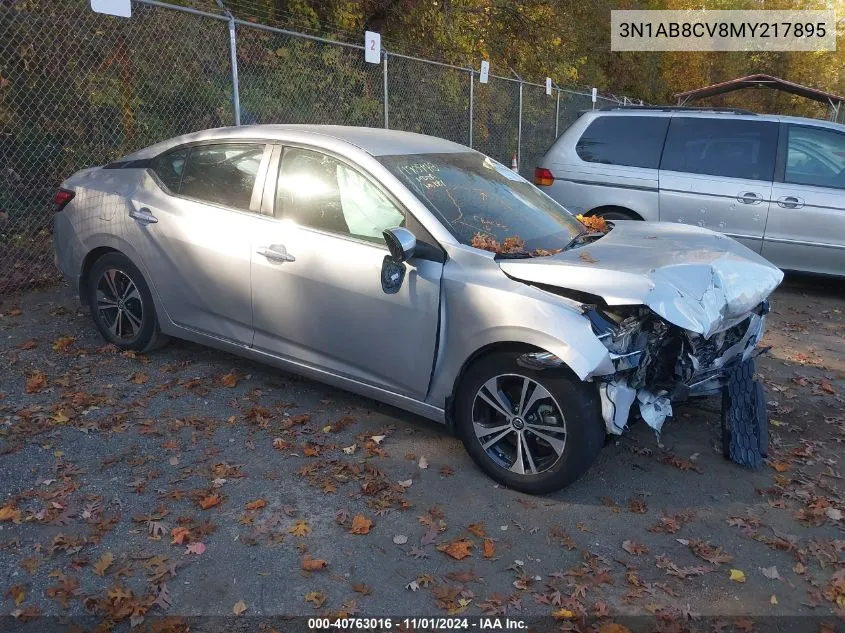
631 141
169 168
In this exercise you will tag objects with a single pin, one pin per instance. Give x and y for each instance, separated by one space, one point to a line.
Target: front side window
731 148
169 167
222 174
320 192
472 195
633 141
815 157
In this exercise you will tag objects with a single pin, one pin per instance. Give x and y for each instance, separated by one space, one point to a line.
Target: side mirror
400 242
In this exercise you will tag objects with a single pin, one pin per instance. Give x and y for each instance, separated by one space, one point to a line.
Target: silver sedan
422 274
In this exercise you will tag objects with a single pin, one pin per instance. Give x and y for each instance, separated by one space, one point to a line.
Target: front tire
533 431
121 304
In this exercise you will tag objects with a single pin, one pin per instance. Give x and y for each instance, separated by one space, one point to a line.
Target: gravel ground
190 483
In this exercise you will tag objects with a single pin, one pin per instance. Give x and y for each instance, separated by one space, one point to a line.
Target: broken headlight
623 334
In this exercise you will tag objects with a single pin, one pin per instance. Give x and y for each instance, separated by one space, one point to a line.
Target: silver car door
806 227
191 225
318 295
717 173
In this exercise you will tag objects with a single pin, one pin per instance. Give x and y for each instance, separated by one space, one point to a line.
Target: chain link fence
79 89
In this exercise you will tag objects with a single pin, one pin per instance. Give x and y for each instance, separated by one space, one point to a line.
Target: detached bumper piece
745 422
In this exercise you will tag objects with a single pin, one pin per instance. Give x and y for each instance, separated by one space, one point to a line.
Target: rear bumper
68 252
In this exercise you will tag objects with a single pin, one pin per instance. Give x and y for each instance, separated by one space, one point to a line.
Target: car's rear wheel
121 304
533 431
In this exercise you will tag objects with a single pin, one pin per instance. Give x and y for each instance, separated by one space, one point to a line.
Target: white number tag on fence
595 93
120 8
372 47
548 85
485 72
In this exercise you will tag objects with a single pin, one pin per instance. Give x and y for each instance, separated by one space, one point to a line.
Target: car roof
715 114
375 141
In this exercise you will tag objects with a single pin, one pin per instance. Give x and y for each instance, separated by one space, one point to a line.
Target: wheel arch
87 264
615 208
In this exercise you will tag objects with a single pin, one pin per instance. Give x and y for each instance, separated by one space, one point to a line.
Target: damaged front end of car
658 363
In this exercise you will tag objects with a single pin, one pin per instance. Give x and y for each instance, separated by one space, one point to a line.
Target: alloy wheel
119 304
519 424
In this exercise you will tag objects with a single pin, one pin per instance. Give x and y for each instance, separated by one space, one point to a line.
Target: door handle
276 253
790 202
143 215
749 197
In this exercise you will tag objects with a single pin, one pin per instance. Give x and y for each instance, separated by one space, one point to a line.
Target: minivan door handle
276 253
749 197
790 202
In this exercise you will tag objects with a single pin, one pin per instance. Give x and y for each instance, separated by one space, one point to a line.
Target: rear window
632 141
732 148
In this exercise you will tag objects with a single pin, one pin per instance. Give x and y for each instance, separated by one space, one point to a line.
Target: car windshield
479 200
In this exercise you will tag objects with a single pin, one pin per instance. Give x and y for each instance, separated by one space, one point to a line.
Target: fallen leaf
563 614
317 598
378 439
36 382
300 528
827 387
62 343
17 593
10 513
179 535
423 463
400 539
634 548
489 549
773 600
781 467
349 450
458 550
103 563
360 524
256 505
312 564
737 575
230 380
799 568
477 529
584 256
771 573
139 378
613 627
363 589
195 548
209 502
834 514
406 483
239 608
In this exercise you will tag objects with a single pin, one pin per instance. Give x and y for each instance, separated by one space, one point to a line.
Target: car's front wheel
121 304
533 431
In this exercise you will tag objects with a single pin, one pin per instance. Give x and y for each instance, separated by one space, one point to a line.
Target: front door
317 279
806 228
192 230
717 173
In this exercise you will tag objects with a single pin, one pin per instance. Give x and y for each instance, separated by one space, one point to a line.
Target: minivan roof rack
679 109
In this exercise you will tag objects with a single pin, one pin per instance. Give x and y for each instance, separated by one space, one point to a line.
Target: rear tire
121 304
553 431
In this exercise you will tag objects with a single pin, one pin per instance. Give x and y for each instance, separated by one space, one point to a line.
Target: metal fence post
233 48
519 130
471 101
384 73
557 113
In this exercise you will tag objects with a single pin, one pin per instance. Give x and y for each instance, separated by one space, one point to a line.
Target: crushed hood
694 278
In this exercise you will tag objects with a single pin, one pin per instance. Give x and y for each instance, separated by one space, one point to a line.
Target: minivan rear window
632 141
732 148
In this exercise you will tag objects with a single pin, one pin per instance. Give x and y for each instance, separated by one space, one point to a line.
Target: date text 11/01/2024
413 624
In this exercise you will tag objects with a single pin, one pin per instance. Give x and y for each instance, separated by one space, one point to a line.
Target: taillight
543 177
61 198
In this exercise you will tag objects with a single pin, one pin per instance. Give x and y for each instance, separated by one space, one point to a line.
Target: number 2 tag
372 47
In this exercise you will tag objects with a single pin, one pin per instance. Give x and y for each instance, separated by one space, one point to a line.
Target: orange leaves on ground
593 222
30 344
563 614
360 525
317 598
489 549
195 548
179 535
36 382
313 564
103 563
781 467
17 593
458 550
239 607
477 529
229 380
256 505
300 528
10 513
634 548
62 343
209 502
139 378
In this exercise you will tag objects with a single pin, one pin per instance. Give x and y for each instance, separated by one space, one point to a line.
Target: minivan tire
578 403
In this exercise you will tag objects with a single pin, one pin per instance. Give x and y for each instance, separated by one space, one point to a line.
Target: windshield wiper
522 255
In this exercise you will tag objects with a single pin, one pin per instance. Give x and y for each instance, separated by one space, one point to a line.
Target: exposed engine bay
659 363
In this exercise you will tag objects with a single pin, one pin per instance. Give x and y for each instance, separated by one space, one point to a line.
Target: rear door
717 173
317 279
806 228
191 225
